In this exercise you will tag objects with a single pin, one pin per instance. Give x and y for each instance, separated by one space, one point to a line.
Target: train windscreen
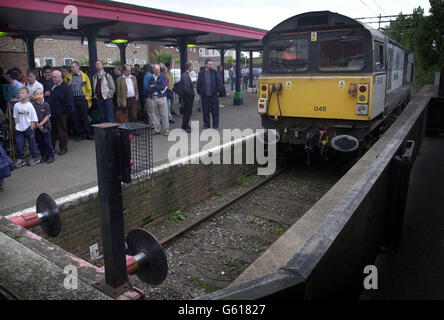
289 55
342 53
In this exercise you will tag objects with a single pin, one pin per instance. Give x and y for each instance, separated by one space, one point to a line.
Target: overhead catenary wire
368 6
391 16
382 19
374 1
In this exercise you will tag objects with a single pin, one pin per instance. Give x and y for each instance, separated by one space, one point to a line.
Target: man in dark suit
187 94
61 102
221 71
209 84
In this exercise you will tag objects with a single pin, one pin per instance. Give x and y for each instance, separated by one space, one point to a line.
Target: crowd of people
48 109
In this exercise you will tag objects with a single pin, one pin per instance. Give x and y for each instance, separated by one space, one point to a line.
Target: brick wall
57 49
16 59
8 44
74 49
169 189
61 49
13 54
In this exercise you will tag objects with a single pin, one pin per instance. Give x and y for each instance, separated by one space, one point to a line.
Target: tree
429 46
244 60
402 30
424 36
437 24
230 60
84 61
163 57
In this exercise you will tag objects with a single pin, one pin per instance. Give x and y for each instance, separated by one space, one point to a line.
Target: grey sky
265 14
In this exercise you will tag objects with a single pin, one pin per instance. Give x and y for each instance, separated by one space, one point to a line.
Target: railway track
210 244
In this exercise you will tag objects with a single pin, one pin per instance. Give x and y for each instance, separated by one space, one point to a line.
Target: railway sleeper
281 219
260 235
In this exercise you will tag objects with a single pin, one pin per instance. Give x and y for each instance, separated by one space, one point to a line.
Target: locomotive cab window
379 56
343 53
289 55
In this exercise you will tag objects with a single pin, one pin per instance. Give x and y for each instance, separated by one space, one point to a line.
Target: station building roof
46 18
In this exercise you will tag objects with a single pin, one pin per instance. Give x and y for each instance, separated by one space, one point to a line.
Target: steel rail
222 207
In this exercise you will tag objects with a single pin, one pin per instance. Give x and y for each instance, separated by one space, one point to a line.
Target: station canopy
109 18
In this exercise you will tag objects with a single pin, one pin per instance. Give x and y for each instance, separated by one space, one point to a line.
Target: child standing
25 122
43 131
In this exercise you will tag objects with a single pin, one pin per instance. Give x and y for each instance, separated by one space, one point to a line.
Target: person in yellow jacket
170 95
81 90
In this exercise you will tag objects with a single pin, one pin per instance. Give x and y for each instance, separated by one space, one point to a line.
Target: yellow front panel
316 97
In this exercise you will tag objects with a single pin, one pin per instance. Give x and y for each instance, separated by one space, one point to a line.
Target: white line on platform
182 161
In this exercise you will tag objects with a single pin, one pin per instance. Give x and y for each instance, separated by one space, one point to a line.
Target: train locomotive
330 83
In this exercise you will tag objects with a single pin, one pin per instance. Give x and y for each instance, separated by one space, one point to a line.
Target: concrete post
111 208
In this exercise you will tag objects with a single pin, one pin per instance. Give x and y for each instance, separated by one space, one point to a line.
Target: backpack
176 89
109 78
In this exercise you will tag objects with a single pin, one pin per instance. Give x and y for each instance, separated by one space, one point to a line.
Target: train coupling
316 141
310 141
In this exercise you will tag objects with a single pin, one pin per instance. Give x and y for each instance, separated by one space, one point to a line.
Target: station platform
415 271
76 170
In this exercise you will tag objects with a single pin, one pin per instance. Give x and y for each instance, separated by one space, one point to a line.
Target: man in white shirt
32 83
157 88
25 119
128 93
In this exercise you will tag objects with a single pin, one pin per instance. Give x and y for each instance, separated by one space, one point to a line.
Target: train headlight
362 109
352 89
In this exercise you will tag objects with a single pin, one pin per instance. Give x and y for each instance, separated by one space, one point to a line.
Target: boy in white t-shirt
25 119
32 83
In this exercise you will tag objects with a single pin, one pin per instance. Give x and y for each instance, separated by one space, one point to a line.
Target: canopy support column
29 42
91 35
222 62
122 48
251 71
183 50
238 99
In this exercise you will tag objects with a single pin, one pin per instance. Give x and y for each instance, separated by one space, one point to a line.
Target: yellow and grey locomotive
331 82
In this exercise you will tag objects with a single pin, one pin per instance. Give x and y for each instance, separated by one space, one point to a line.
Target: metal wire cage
140 148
